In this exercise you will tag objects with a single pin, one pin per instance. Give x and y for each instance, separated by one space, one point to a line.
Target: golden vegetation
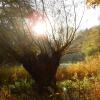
89 67
77 81
81 81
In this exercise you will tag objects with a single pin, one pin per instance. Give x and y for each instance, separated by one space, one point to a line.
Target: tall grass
89 67
79 81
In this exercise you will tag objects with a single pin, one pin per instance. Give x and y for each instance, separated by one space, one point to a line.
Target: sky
91 18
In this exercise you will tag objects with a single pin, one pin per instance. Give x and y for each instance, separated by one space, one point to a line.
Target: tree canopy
91 43
93 2
88 41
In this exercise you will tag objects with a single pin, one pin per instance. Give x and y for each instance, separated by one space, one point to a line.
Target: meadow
78 81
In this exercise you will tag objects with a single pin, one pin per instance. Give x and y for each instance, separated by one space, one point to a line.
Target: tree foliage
93 2
88 41
91 44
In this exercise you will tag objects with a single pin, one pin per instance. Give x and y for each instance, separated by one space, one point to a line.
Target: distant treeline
87 43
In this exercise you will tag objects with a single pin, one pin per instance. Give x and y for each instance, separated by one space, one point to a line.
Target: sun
38 25
39 28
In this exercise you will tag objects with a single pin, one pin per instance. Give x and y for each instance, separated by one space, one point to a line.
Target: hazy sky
91 18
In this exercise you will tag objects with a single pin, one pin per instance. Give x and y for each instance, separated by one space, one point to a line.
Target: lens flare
39 25
39 28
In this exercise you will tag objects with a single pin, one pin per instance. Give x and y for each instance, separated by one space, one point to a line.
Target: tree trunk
45 85
43 71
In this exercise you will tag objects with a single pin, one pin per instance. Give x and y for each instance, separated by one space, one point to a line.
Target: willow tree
36 34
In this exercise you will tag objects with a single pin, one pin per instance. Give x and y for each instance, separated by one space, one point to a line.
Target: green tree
91 43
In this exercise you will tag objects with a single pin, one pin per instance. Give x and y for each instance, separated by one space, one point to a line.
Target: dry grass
80 81
89 67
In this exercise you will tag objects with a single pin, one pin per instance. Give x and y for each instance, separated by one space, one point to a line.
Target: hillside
87 43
